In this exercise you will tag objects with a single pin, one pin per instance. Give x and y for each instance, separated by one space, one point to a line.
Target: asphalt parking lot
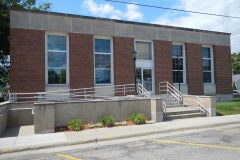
219 143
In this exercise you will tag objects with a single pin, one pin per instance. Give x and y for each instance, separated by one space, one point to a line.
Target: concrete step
163 96
183 116
174 105
170 100
182 113
181 110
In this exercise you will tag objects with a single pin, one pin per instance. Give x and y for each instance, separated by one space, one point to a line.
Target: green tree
234 87
5 6
235 58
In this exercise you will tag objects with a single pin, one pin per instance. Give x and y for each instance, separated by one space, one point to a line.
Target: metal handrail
76 93
143 91
170 90
200 103
164 107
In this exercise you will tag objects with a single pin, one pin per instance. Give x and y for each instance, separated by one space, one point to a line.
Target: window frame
184 61
212 63
46 57
152 49
111 54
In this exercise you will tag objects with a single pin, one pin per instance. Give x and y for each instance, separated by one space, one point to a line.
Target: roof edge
117 21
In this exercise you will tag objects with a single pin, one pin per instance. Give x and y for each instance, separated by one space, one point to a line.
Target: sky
107 9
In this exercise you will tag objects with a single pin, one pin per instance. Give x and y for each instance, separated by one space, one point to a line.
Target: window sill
57 85
98 85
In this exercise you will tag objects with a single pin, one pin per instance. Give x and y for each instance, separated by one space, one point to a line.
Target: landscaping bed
104 121
91 124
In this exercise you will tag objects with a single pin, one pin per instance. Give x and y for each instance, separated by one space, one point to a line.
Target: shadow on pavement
11 131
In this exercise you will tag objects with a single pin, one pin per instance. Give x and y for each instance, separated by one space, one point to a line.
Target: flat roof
117 21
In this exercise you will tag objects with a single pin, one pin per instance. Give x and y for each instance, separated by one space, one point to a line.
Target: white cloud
133 13
107 10
206 22
101 9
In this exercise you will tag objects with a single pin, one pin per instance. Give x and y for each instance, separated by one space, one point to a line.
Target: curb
45 146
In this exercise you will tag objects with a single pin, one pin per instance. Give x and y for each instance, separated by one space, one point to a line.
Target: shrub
137 118
106 121
234 87
75 125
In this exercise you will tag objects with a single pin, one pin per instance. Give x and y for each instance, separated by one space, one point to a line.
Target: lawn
228 108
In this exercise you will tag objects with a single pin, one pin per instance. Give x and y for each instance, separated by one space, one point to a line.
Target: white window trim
212 64
112 63
46 58
184 61
152 47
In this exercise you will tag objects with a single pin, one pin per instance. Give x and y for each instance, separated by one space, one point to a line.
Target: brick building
52 51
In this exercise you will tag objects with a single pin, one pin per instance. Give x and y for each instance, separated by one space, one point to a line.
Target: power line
218 21
174 9
235 36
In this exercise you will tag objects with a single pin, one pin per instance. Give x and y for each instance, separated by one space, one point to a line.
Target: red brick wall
27 51
194 69
223 69
163 62
81 60
123 60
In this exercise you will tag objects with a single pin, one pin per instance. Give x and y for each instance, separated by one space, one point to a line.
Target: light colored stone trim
101 27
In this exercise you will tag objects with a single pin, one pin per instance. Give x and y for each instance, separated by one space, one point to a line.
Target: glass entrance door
144 76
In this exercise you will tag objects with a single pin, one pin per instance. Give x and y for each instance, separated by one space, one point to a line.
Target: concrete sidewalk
23 137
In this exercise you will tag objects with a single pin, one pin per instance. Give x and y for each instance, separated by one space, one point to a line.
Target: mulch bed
85 127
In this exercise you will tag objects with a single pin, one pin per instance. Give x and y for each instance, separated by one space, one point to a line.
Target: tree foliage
234 87
235 58
5 6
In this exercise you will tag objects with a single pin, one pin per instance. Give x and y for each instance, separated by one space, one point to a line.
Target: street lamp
134 59
178 65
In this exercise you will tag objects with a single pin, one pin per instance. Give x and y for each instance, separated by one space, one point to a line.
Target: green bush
75 125
234 86
137 118
106 121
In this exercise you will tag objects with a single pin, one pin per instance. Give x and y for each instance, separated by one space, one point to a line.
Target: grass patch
228 108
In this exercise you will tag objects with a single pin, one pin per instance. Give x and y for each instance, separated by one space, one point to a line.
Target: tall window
178 68
57 59
103 66
144 50
207 65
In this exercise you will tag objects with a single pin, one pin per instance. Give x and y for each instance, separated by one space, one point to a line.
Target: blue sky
106 9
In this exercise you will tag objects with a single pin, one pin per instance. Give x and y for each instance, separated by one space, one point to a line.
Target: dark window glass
57 59
177 64
207 64
102 76
206 52
207 78
56 76
177 50
139 75
57 43
102 45
102 61
177 76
